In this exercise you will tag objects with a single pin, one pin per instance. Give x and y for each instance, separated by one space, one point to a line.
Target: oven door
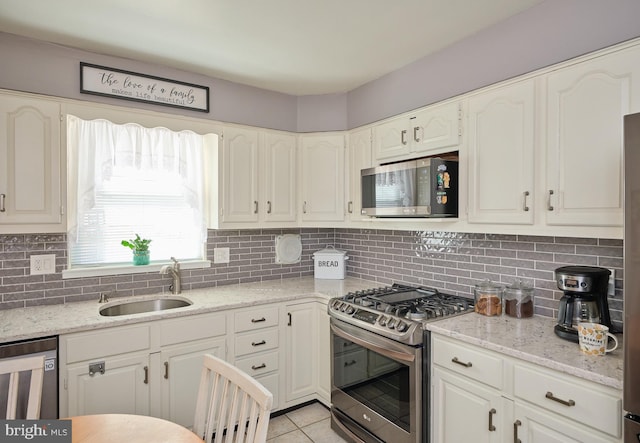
376 388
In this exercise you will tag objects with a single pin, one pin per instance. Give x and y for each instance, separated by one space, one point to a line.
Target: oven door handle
395 355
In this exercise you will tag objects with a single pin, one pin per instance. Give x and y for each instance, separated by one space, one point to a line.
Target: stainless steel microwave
426 187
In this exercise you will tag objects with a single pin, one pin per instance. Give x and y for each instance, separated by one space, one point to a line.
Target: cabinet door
464 410
534 425
322 177
585 107
301 349
391 139
435 128
279 200
240 172
324 354
122 389
501 155
181 367
359 157
30 164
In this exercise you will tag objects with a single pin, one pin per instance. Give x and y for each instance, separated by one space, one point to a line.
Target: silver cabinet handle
146 375
255 207
515 431
403 137
525 208
415 133
2 197
350 207
255 368
461 363
550 396
269 207
549 207
304 208
166 370
491 425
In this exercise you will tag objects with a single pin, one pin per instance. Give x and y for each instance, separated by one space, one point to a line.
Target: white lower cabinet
483 396
151 368
300 351
324 355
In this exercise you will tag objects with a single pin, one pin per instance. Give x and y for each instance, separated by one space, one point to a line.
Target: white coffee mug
594 338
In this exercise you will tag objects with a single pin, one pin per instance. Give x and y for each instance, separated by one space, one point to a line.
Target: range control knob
350 310
343 307
402 326
382 321
391 323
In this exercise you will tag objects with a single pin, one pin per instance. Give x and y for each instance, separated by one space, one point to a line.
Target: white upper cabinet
259 177
358 158
586 103
31 166
432 130
278 202
240 175
501 132
322 177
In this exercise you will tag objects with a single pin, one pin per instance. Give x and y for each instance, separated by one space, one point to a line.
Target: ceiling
298 47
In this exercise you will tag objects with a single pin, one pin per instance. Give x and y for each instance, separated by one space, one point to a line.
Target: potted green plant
140 248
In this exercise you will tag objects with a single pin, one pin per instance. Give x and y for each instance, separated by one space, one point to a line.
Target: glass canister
518 300
488 298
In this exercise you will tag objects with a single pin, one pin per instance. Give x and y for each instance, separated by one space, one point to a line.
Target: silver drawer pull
550 396
262 366
258 320
461 363
258 343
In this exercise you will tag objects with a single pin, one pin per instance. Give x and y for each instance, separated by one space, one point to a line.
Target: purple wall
550 32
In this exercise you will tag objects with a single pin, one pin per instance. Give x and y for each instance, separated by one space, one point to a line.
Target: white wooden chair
231 404
14 367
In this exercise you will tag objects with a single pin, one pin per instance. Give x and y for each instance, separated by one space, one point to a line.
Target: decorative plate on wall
288 248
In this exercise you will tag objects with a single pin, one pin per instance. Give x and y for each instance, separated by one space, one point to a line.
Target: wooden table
113 428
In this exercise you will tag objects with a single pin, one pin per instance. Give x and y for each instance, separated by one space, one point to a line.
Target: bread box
329 263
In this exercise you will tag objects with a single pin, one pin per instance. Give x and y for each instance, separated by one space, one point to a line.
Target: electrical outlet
43 264
611 289
221 255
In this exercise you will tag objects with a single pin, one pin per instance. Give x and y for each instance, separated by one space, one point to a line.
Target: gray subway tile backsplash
450 261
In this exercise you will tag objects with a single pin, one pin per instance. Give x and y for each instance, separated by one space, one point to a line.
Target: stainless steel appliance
631 337
45 346
584 299
380 364
427 187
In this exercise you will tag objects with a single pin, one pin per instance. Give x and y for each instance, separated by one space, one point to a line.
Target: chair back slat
231 405
14 367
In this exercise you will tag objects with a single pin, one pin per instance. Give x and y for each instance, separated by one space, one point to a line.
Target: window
127 180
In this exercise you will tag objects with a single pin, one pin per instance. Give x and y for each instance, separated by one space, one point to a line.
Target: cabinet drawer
272 383
259 364
106 342
350 367
258 341
263 317
591 405
197 327
476 364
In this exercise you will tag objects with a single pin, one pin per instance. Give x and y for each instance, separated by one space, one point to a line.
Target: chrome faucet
174 270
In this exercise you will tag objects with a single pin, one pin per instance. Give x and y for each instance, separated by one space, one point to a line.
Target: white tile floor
309 424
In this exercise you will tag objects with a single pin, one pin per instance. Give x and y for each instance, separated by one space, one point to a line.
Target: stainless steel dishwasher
47 346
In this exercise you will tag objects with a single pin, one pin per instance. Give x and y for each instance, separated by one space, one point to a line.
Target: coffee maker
584 299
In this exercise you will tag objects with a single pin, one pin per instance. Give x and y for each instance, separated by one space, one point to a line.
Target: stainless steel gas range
380 364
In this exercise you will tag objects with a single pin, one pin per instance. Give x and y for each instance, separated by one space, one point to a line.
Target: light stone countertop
529 339
533 340
41 321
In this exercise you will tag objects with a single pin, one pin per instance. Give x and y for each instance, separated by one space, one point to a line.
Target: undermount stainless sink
148 305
